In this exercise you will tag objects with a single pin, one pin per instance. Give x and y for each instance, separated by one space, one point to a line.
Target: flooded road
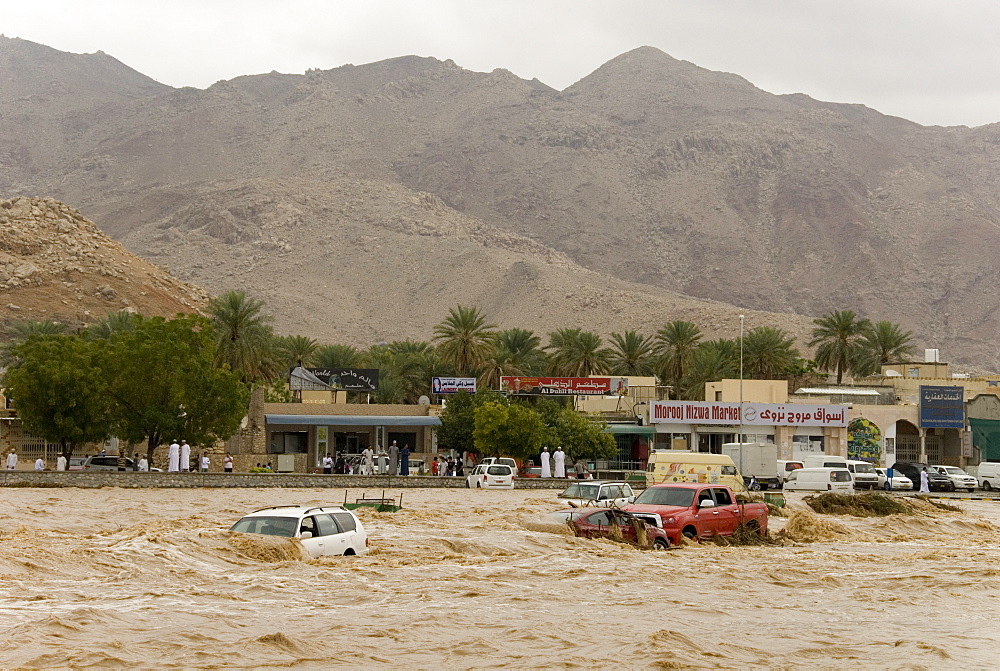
465 579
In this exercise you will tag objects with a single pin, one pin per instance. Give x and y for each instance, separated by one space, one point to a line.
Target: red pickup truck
697 510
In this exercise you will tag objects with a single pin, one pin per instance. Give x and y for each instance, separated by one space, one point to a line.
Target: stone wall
95 479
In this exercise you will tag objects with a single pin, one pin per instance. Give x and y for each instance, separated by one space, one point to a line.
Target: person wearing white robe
39 464
560 461
369 461
173 457
12 460
143 464
185 456
924 484
61 463
546 466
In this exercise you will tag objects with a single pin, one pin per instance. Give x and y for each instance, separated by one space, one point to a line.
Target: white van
787 466
989 475
820 480
823 461
864 474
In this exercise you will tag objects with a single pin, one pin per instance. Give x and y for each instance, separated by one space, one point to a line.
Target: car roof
690 485
294 510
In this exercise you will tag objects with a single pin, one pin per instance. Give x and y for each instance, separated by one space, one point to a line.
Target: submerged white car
958 477
491 476
899 481
598 494
328 530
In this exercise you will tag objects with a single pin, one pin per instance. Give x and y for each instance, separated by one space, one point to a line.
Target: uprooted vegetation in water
805 527
746 534
873 504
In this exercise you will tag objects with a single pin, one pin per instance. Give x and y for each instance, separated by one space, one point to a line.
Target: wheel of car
690 532
887 487
972 489
952 487
661 544
986 485
479 485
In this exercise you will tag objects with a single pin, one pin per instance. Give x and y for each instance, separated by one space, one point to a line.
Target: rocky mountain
55 264
363 201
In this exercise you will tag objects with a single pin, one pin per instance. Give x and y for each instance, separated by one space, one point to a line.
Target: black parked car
936 481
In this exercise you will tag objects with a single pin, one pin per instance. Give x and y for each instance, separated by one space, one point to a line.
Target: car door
596 525
335 541
707 517
728 511
309 536
347 532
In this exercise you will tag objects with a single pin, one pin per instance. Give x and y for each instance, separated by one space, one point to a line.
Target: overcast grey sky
930 61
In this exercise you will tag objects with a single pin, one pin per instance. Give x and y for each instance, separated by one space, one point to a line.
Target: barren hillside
651 177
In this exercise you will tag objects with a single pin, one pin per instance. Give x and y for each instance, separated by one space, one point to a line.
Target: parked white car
598 494
491 476
899 481
960 478
328 530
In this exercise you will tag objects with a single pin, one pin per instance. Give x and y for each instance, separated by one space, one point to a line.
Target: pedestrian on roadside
434 465
560 462
143 464
339 466
393 459
404 460
459 468
327 464
39 464
546 467
61 463
227 463
11 460
368 461
174 457
383 464
205 461
924 483
185 456
135 461
581 470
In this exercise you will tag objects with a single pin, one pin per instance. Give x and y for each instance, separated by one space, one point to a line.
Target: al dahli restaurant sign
564 386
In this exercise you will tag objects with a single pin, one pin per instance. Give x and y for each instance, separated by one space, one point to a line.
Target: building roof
838 391
353 420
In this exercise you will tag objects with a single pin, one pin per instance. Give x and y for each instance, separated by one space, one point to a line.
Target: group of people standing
394 461
449 466
179 459
558 460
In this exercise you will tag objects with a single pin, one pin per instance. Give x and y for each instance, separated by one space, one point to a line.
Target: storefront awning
632 428
354 420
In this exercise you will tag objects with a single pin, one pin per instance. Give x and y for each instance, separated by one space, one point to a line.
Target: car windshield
577 491
951 470
666 496
864 468
269 526
840 475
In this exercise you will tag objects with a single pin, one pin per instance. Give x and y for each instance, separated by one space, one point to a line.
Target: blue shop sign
942 407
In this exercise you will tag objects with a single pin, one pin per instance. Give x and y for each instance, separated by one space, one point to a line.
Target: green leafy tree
508 430
837 338
60 390
676 344
113 322
883 343
578 353
458 420
632 354
465 340
768 353
296 350
582 437
516 351
22 330
163 383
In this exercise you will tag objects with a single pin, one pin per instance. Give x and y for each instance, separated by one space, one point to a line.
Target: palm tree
578 353
20 331
631 354
465 339
244 340
516 351
713 360
676 343
768 353
838 335
882 343
337 356
114 322
297 350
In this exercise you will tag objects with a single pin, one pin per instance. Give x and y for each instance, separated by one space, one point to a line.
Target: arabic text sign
590 386
754 414
348 379
453 385
942 407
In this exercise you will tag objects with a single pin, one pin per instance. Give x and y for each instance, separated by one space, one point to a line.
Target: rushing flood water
463 578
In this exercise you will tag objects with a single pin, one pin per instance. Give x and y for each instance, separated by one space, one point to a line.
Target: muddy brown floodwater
464 579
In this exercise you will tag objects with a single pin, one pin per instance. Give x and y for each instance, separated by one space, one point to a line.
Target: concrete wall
95 479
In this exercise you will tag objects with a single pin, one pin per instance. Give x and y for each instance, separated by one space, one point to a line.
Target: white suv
491 476
598 494
329 530
959 478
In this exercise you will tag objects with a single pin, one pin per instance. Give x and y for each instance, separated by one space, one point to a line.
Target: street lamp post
741 382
